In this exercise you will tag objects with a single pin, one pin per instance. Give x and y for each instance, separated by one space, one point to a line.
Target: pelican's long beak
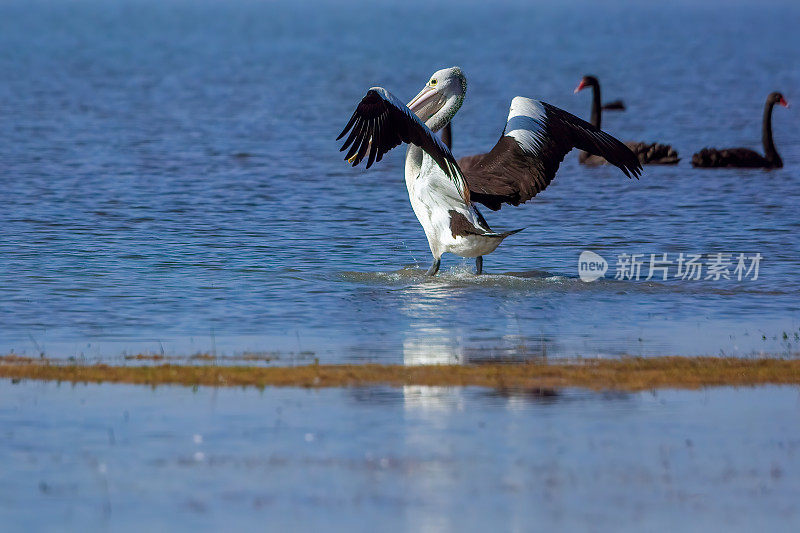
424 105
581 86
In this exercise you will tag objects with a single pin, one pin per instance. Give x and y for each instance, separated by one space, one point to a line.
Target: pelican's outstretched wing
381 122
535 140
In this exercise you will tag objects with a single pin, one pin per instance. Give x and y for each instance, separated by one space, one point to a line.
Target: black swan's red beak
581 86
783 102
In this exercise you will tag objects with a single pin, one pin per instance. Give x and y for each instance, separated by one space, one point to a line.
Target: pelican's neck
442 117
770 152
596 106
413 164
439 120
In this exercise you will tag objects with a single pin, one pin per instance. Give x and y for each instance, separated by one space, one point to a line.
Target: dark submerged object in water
615 105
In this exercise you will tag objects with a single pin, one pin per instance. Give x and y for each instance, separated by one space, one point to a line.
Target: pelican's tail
502 235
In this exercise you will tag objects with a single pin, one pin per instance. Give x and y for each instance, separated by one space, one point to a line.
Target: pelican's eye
433 82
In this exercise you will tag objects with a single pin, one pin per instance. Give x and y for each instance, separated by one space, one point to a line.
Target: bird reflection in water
431 340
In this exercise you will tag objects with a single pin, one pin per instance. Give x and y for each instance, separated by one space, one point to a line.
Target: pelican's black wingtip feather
354 133
362 151
631 171
637 169
355 138
349 125
372 151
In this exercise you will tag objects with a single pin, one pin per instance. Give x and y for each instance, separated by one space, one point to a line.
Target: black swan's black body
744 157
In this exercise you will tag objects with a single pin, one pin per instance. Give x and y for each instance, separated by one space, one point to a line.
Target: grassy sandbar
626 374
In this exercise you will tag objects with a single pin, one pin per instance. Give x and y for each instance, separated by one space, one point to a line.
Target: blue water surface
131 458
171 183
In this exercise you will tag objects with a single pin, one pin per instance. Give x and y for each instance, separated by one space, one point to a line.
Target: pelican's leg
479 265
434 267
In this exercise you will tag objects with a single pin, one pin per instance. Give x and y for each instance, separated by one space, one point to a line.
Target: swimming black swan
744 157
648 153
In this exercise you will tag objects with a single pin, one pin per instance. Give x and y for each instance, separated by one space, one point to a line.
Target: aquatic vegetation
628 374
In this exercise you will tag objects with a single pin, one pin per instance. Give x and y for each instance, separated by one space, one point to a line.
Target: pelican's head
444 91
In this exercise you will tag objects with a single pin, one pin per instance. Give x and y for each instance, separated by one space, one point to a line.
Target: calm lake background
171 182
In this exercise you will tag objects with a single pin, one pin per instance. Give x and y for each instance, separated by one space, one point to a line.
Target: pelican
442 190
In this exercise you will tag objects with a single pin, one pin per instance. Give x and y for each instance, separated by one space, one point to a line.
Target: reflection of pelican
430 411
435 336
431 345
427 340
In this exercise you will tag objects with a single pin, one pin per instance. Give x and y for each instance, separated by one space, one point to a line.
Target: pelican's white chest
435 198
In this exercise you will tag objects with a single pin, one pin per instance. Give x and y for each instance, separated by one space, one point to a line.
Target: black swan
744 157
648 153
447 135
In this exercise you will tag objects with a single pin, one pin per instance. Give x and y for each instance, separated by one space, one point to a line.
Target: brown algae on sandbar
624 374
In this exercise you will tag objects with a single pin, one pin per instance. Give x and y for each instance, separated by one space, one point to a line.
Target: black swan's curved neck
447 135
770 153
596 106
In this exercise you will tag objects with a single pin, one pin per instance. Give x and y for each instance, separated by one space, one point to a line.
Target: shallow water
124 458
171 182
